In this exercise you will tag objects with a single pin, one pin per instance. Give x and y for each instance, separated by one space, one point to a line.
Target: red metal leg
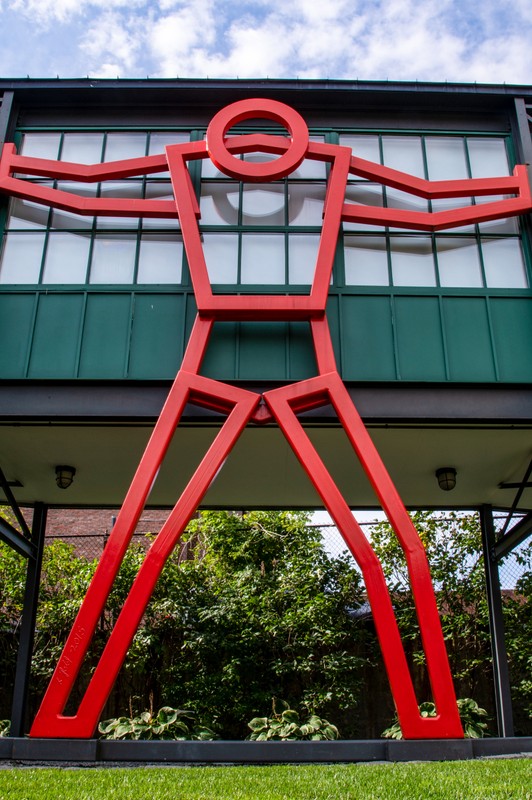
284 403
187 387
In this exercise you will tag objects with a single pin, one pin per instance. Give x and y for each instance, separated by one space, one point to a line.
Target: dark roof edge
421 87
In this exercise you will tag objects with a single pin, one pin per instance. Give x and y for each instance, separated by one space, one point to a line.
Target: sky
484 41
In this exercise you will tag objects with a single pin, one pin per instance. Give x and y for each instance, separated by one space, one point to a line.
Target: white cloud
49 11
482 40
112 45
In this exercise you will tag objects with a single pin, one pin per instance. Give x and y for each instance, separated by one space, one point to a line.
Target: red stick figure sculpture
243 407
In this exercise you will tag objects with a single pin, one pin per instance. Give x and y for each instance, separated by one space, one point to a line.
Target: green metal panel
366 338
220 359
156 336
302 362
56 336
16 315
467 334
419 339
512 332
105 336
262 351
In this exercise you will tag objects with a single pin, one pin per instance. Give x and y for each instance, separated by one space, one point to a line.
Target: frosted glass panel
66 219
125 190
21 258
160 259
124 145
504 225
446 158
302 255
403 200
404 153
221 255
412 261
487 157
66 260
446 203
219 203
27 216
309 169
365 194
158 141
410 202
458 261
366 147
504 265
83 148
113 259
263 204
41 145
305 203
366 261
159 190
263 258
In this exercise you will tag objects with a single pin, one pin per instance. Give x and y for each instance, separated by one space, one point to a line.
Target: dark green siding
382 335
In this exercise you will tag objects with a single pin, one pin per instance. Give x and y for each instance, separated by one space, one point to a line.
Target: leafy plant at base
168 723
473 719
287 726
5 726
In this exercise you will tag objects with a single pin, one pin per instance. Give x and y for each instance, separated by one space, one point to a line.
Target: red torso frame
243 407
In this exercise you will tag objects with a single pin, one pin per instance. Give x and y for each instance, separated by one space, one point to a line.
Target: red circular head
257 108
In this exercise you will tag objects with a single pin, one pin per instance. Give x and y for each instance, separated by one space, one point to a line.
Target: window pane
504 264
21 258
412 261
158 141
263 204
113 259
504 225
221 255
124 145
160 259
82 148
66 260
302 255
458 261
364 194
219 203
159 190
120 189
366 147
305 203
487 157
446 203
309 169
26 215
263 258
446 158
406 201
66 219
366 261
41 145
404 153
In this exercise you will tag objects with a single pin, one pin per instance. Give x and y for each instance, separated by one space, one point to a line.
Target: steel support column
27 628
503 698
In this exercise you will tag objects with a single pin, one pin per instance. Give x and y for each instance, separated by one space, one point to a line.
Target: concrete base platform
94 751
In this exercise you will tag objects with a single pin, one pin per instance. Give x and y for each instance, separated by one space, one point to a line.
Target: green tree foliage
261 610
453 545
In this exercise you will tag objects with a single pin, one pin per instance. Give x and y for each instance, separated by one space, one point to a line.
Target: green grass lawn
485 780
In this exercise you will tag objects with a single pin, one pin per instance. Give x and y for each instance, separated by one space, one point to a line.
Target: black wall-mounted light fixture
446 478
64 475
